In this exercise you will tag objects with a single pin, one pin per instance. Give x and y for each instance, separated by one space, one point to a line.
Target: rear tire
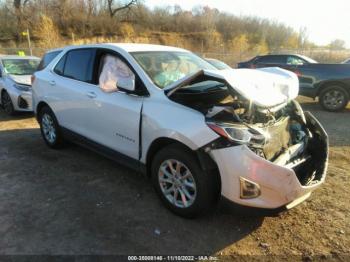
50 129
7 104
334 98
182 185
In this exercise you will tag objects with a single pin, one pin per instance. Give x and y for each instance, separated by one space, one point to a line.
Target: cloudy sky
325 20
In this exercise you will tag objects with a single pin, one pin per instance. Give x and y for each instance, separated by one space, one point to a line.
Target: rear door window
80 64
273 59
77 64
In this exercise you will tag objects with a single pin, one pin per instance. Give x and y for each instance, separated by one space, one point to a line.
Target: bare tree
303 37
18 11
113 10
337 44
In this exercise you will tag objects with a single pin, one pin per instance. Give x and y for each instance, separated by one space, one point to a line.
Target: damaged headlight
239 133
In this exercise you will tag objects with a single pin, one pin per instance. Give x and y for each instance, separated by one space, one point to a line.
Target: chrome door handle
52 82
91 94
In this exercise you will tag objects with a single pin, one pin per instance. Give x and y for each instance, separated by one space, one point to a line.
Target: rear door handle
91 94
52 82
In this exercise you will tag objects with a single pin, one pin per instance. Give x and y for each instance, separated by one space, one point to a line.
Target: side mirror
126 85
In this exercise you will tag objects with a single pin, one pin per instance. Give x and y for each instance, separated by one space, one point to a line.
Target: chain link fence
320 55
230 58
23 51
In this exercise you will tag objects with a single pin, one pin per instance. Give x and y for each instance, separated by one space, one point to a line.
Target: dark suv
329 82
276 60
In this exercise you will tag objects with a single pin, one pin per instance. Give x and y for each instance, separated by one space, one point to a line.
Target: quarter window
47 59
60 66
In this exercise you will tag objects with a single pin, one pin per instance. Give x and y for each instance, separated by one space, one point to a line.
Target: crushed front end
269 153
280 164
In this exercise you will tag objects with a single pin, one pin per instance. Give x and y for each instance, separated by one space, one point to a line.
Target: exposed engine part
289 153
297 133
273 131
279 138
220 109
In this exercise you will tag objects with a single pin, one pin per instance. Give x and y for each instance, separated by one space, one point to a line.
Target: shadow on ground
74 201
17 116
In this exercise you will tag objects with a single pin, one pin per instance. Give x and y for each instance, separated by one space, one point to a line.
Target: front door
114 116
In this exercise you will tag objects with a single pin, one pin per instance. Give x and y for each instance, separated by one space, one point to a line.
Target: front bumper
280 186
21 100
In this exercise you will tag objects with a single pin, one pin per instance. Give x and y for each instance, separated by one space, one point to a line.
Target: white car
347 61
15 82
198 132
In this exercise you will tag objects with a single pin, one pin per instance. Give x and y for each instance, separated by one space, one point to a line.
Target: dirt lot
74 201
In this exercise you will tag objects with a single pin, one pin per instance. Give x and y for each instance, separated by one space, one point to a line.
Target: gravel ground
75 202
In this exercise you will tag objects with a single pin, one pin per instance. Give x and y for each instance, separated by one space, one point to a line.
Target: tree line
53 23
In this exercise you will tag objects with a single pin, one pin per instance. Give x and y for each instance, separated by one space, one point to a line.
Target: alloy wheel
49 129
177 183
333 99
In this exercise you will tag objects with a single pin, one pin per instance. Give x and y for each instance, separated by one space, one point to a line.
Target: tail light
252 66
297 72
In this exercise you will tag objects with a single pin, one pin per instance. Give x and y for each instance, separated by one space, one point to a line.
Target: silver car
15 82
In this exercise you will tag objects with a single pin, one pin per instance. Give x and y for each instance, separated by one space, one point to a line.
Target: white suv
198 132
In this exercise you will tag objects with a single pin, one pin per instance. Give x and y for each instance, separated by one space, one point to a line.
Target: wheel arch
157 145
2 91
40 106
326 84
204 160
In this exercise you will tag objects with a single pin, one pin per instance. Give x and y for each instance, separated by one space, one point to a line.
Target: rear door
71 89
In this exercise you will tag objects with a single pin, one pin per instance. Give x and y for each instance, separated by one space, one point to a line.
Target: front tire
50 129
334 98
182 185
7 104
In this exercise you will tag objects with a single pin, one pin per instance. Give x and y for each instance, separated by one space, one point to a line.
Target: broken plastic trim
313 170
308 161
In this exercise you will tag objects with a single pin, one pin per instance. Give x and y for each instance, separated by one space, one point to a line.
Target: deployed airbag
113 69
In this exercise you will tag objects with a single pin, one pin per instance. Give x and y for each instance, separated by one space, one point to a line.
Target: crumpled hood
21 79
266 87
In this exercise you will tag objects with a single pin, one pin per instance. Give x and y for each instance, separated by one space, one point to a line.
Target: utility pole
29 43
